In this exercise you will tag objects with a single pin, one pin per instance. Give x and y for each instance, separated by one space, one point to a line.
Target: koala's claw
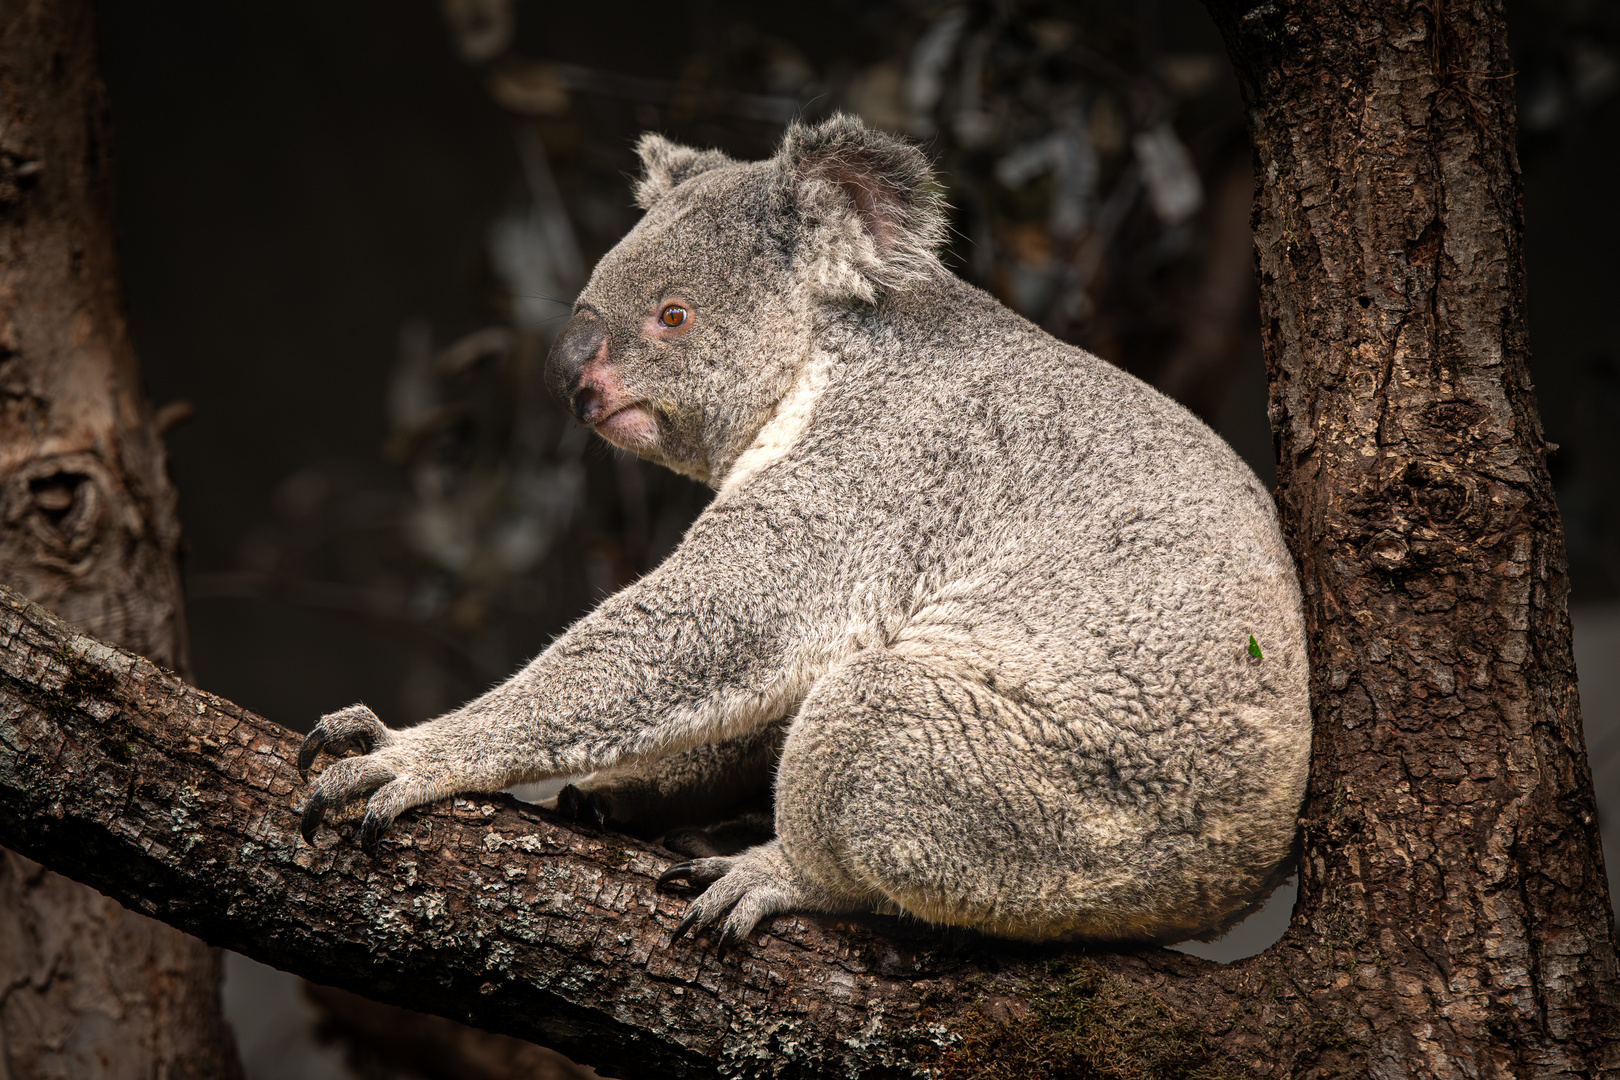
311 746
380 811
694 872
681 871
581 806
702 873
355 722
724 939
371 827
676 872
685 925
314 810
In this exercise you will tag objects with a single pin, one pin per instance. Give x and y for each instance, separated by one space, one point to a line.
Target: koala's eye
673 315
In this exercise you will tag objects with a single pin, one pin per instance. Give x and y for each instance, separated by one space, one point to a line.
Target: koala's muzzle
582 339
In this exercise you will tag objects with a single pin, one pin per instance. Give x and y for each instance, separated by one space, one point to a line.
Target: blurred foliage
1567 63
1567 59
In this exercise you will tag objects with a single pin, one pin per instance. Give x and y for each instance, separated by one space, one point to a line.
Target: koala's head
693 328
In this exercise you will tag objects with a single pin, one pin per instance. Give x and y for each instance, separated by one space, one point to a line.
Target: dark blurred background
349 230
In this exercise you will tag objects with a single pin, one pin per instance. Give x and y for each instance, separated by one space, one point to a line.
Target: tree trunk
86 988
1453 915
1453 918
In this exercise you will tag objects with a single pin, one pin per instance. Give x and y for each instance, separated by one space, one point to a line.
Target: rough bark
89 528
1453 913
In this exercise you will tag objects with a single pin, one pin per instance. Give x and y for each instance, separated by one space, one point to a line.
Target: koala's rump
1096 561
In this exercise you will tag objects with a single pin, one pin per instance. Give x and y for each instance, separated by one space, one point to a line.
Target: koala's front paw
582 806
357 723
384 771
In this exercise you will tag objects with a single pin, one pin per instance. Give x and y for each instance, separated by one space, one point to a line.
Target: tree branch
182 805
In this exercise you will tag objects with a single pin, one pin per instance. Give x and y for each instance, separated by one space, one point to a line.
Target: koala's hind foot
751 825
732 837
714 782
743 889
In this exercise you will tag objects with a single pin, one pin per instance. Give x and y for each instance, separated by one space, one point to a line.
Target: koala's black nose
580 340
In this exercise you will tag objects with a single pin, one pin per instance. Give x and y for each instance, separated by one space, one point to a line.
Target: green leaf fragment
1254 648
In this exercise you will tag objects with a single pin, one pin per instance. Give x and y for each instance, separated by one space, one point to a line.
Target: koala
1013 640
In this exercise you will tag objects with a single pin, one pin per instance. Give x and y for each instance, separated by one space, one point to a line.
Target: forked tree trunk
1453 918
88 528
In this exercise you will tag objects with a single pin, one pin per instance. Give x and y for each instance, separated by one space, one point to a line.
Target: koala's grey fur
991 596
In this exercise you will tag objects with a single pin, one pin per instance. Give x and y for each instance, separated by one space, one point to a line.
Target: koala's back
1022 513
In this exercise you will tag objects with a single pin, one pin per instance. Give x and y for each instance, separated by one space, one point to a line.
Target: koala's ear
665 164
873 213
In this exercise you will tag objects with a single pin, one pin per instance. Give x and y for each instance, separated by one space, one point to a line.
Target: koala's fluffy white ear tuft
873 212
665 164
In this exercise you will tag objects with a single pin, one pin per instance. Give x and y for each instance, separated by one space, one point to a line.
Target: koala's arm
719 640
